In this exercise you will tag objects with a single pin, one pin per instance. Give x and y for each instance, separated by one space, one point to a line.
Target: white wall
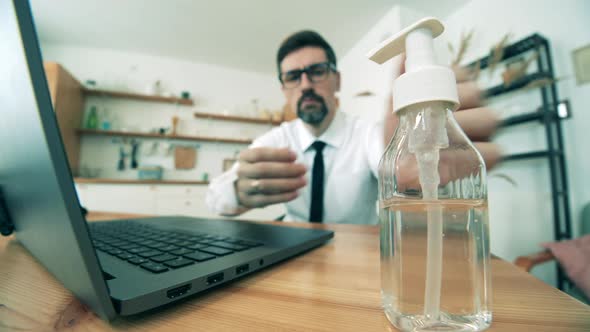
359 74
521 216
215 89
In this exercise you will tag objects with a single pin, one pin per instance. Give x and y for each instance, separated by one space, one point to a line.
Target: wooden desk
333 288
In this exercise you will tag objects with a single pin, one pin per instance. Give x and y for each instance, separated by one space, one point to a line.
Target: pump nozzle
424 80
415 39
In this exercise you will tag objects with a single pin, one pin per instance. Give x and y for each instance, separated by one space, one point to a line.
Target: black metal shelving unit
548 116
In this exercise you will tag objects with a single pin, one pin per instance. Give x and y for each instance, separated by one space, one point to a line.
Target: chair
572 255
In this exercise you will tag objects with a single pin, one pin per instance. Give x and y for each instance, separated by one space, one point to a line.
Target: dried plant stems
497 53
463 47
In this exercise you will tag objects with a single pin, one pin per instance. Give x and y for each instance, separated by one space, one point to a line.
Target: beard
312 114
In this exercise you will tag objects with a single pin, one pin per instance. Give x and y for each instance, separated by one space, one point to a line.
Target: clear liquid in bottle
465 289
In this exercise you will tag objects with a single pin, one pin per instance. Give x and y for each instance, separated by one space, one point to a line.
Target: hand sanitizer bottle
435 257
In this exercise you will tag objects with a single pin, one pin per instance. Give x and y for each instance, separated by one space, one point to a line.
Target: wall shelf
520 83
519 47
522 118
138 96
153 135
129 181
541 80
529 155
235 118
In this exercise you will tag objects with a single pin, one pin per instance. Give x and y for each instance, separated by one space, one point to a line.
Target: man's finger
469 95
478 123
491 153
270 186
452 165
462 74
261 200
263 170
255 155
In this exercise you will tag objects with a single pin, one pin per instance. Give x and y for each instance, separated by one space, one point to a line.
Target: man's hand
476 120
268 176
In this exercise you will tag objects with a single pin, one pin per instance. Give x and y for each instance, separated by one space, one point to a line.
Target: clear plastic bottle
435 256
465 289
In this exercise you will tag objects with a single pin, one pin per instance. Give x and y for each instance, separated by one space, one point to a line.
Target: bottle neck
431 106
427 120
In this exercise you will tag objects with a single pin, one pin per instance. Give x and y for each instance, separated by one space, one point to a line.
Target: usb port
213 279
178 291
242 268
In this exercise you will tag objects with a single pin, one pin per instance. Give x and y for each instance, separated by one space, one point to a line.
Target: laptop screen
35 178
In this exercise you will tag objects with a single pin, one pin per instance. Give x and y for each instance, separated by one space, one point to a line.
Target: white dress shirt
351 158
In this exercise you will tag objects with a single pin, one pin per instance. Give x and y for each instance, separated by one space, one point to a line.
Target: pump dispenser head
424 80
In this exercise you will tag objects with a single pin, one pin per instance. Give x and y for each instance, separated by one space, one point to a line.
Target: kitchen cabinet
68 101
188 200
118 198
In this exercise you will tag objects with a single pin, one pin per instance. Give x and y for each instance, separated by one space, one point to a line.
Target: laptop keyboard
157 250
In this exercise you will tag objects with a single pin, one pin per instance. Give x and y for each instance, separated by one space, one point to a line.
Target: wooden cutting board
185 157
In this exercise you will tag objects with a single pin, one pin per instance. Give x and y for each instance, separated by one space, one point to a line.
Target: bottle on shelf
105 120
92 119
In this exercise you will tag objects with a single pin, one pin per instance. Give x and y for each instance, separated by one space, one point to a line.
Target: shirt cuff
221 194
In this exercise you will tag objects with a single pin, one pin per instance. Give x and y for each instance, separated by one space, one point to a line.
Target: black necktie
316 211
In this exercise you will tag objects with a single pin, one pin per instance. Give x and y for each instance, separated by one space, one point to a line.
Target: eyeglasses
316 72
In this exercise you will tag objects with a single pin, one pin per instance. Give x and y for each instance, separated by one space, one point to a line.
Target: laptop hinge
6 225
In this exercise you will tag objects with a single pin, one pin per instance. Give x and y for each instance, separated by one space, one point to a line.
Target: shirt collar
333 136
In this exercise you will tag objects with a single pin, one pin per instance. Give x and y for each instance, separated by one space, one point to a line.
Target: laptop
120 267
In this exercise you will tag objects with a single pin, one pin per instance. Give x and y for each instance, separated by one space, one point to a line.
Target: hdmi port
178 291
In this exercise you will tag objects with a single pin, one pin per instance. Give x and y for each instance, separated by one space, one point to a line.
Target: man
323 165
